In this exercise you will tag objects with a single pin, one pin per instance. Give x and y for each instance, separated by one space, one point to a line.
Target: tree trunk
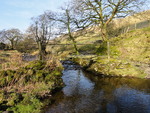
104 33
73 41
42 51
12 44
106 38
108 49
69 32
75 46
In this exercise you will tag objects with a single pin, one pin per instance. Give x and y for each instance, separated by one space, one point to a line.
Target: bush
33 82
29 104
27 45
2 46
102 50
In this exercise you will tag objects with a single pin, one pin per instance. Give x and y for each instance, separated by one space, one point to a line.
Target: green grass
126 51
11 59
23 88
29 104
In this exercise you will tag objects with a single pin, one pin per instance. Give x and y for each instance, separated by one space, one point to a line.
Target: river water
86 93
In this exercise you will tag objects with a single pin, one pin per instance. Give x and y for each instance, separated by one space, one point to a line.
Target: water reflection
129 100
76 83
86 93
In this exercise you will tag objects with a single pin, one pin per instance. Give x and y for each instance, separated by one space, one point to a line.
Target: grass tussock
11 60
23 88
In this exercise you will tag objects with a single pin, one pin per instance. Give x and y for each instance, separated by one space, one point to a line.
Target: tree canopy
12 35
102 12
42 29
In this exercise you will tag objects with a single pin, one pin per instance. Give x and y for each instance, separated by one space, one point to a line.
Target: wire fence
139 25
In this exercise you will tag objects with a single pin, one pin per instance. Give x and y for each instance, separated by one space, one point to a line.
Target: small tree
67 20
27 45
2 46
71 21
42 30
12 35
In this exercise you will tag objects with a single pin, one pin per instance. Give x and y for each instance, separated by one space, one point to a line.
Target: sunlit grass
11 60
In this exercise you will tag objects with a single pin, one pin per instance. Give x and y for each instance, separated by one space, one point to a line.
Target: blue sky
18 13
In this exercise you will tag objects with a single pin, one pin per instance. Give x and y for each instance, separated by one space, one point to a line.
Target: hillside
130 55
130 50
136 21
139 18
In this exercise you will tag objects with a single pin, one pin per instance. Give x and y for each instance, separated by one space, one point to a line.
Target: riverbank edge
109 68
12 99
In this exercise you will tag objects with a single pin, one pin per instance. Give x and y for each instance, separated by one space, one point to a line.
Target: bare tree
71 21
102 12
67 20
42 30
13 35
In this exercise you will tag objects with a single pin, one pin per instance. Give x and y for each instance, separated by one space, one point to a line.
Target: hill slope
129 50
130 53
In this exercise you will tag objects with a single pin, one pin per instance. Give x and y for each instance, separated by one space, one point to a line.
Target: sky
18 13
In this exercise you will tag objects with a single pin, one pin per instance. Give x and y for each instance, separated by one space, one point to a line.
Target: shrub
102 50
2 46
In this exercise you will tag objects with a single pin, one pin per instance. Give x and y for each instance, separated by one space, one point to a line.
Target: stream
87 93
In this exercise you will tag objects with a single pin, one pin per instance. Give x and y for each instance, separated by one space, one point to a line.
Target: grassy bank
23 89
11 59
129 53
